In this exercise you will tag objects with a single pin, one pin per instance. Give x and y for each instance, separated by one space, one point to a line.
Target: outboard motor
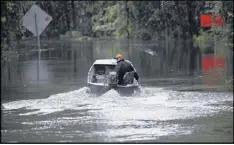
129 77
112 78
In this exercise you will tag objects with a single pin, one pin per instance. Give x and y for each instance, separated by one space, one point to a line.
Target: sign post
39 49
38 36
36 20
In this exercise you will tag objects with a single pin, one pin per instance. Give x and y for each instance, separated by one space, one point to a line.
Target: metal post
166 40
38 36
215 49
39 48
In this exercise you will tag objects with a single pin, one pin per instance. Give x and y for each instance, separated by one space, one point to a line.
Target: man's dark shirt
122 67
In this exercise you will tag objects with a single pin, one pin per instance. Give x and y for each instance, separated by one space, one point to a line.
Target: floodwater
180 101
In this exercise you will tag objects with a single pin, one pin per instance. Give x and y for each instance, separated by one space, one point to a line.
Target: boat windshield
104 69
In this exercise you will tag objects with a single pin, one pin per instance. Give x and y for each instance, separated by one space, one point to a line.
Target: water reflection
215 70
58 108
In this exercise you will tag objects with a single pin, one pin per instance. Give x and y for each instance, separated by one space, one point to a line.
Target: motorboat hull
122 90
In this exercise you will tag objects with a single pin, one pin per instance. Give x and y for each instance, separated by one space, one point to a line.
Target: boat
102 78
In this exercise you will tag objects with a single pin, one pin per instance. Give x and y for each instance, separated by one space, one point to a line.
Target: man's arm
135 73
136 76
131 67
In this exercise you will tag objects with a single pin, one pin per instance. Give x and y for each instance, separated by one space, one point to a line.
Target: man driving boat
125 71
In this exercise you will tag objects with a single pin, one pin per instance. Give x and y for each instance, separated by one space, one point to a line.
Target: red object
210 62
217 21
214 69
47 18
208 20
207 63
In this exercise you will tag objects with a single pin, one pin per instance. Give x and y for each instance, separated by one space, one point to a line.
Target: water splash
149 103
146 115
55 103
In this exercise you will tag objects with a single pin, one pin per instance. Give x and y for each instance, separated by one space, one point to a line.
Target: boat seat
100 78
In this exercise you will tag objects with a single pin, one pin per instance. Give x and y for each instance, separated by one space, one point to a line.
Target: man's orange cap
119 56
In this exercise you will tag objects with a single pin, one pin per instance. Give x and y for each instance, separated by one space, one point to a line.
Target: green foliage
11 15
83 38
204 40
3 19
204 36
107 21
143 19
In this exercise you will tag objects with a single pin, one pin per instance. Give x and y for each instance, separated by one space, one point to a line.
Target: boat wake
146 115
151 103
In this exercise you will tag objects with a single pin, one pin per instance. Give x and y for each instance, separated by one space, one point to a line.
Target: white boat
102 77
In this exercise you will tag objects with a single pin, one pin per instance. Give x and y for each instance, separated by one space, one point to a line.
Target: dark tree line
141 19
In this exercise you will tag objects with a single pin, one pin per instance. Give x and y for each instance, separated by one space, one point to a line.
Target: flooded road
178 101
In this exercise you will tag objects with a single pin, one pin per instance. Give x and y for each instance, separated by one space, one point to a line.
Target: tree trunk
73 15
192 31
67 17
127 11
